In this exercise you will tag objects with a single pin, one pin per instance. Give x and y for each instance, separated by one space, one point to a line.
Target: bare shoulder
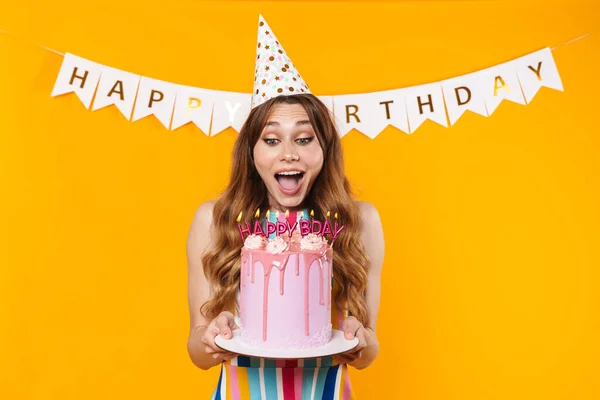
200 227
367 210
371 232
205 210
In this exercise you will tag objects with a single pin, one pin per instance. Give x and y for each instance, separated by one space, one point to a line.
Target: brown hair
246 192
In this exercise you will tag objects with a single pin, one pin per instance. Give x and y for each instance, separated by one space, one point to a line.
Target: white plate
338 344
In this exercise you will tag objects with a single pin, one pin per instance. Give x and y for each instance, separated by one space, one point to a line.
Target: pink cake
285 292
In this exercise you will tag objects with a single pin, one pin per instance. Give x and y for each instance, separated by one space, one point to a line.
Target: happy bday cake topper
304 226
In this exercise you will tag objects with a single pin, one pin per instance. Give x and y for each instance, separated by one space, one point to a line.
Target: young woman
285 133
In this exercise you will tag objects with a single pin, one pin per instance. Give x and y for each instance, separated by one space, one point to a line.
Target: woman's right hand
223 324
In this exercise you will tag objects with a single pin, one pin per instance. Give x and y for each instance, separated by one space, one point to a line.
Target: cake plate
338 344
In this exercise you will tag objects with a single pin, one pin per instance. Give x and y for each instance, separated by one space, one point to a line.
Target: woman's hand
353 328
223 324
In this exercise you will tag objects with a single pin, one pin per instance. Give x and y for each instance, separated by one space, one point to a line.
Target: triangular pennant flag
155 97
230 110
425 102
77 75
193 105
536 70
116 87
463 93
498 83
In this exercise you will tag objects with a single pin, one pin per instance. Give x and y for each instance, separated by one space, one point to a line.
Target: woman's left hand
353 328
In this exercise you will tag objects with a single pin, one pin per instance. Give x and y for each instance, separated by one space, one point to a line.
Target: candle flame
335 216
257 214
239 218
268 213
302 214
287 213
277 214
312 213
328 214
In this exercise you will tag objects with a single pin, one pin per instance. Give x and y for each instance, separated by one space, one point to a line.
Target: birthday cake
285 288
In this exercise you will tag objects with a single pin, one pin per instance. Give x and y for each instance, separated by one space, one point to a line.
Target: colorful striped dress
253 378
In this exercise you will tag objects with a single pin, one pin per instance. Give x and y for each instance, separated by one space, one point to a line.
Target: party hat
275 74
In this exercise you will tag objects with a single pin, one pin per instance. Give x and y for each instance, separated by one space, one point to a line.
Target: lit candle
240 229
258 230
280 227
304 224
270 226
335 229
327 226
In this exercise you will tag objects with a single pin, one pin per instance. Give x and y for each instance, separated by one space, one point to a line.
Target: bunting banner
213 111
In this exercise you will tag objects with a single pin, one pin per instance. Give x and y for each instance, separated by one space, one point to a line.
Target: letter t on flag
77 75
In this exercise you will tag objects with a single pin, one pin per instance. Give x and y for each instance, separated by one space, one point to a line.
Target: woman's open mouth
289 181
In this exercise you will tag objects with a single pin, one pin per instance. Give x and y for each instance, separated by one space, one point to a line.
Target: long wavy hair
246 192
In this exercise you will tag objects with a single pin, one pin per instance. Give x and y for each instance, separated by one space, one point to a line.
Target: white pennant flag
193 105
370 113
155 97
116 87
536 70
499 83
425 102
230 110
77 75
463 93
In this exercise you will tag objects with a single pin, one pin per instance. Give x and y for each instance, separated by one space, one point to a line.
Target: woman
285 133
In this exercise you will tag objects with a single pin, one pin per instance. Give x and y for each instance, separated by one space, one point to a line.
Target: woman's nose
287 151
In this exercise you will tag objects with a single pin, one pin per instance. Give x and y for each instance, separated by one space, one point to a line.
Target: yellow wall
491 275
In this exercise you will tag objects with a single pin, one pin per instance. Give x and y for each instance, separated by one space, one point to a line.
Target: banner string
31 43
62 54
571 41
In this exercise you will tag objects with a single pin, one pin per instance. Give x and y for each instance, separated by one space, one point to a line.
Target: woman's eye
271 142
305 140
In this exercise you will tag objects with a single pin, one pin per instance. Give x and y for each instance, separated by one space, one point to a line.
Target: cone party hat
275 74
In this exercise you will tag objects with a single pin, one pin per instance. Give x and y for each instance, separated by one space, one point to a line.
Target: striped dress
255 378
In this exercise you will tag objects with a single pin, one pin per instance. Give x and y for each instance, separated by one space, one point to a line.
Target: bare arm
200 344
372 238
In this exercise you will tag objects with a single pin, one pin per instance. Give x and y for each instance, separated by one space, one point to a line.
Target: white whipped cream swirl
276 245
312 242
255 242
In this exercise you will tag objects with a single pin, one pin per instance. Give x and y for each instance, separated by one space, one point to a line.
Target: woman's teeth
290 173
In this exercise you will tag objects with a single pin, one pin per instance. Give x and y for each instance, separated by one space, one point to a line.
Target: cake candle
270 226
281 226
240 229
336 230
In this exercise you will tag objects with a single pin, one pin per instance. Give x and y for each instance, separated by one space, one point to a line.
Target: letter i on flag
77 75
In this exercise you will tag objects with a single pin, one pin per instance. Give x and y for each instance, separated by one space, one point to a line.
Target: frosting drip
280 261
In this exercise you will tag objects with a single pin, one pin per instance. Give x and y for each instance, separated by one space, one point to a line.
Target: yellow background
491 281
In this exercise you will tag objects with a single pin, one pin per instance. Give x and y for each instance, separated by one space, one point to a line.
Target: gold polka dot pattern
275 74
